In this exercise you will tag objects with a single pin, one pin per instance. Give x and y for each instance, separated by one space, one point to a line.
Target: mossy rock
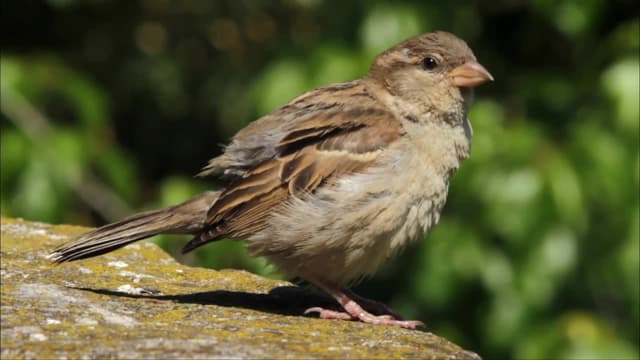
138 302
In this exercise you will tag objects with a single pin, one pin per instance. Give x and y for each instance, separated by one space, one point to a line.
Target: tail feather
185 218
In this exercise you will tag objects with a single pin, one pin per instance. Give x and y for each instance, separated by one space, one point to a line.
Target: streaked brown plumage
338 180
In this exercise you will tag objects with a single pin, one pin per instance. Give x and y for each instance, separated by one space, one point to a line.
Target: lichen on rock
138 302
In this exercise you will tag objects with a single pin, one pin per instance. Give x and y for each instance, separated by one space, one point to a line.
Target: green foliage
537 252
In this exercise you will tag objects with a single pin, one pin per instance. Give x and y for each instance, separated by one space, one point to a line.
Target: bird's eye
429 63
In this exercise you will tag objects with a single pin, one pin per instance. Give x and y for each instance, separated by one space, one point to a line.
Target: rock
138 302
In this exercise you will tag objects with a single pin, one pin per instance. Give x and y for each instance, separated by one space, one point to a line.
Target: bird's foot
356 312
373 306
338 315
351 303
328 314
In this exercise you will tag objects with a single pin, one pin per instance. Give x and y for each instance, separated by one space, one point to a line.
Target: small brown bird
334 183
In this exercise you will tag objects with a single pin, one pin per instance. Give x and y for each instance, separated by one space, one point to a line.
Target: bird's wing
311 154
258 141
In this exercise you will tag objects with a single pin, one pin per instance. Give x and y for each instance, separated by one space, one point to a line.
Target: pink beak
470 74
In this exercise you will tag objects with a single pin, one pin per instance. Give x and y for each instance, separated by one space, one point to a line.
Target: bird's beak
469 74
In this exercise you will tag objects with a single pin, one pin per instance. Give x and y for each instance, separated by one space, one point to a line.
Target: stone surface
139 303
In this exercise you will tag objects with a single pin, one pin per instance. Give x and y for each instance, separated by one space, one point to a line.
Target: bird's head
435 70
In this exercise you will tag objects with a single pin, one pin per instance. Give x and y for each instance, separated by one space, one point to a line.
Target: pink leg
355 312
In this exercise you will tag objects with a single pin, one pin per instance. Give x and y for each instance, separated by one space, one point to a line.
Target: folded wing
336 141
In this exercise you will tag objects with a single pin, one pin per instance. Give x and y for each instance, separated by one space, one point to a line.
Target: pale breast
348 230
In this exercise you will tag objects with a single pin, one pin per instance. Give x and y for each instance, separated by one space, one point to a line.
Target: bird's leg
354 311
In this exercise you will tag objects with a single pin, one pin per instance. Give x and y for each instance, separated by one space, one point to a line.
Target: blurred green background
110 107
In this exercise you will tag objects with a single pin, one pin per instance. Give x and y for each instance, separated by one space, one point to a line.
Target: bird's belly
347 231
404 223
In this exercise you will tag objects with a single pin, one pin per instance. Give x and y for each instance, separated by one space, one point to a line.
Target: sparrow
337 181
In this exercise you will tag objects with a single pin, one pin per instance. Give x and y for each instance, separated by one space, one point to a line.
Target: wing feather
312 153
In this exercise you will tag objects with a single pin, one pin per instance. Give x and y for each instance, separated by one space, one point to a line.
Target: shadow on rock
283 300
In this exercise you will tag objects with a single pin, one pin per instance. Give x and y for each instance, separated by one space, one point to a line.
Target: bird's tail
188 217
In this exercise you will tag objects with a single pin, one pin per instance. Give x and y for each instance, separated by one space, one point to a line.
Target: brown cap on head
449 52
